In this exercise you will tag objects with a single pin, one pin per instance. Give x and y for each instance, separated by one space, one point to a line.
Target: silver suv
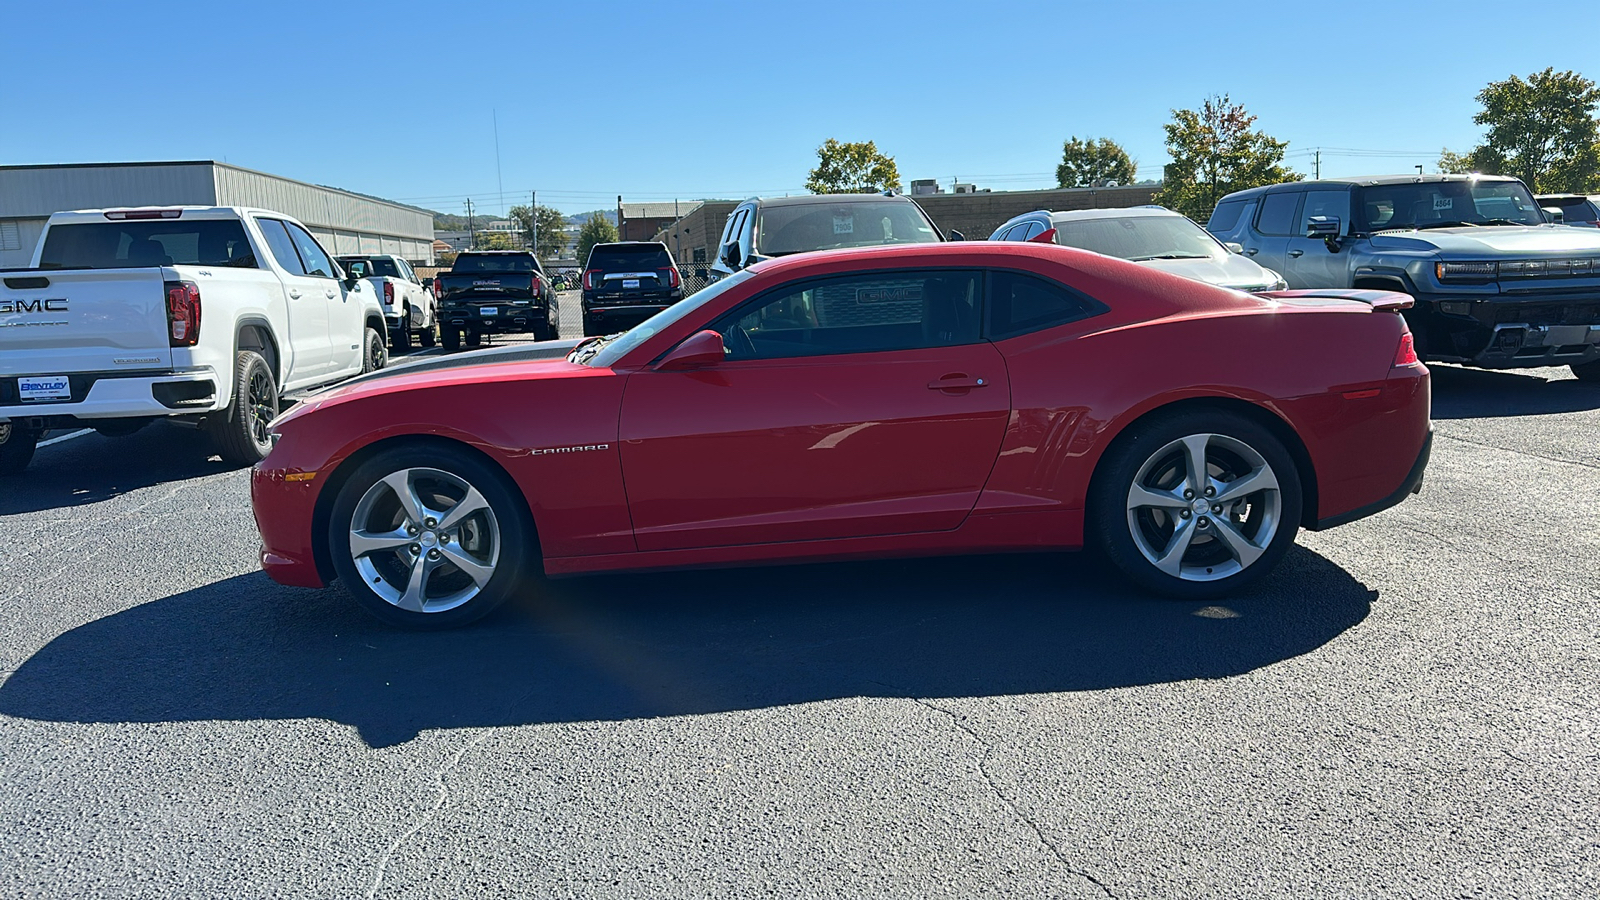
761 228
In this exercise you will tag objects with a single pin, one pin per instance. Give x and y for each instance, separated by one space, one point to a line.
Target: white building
343 222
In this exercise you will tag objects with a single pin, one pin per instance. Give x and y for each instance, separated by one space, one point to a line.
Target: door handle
294 294
1297 253
1252 251
328 293
957 381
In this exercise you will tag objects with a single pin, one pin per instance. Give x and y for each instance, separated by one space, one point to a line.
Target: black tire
240 431
1589 371
376 354
401 337
429 335
450 338
589 329
1206 566
510 553
474 339
16 447
544 333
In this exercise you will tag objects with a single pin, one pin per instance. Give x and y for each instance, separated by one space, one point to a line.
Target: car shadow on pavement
641 646
1462 393
92 468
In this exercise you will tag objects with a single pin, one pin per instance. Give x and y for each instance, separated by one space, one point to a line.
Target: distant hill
610 215
449 222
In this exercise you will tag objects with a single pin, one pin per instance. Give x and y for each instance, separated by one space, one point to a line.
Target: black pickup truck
494 292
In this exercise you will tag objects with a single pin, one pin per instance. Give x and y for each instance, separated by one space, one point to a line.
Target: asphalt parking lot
1407 708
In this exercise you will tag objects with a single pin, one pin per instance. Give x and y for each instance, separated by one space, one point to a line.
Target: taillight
1406 353
183 313
388 293
591 279
669 275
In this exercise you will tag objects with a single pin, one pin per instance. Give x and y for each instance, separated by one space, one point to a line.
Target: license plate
630 282
488 310
44 387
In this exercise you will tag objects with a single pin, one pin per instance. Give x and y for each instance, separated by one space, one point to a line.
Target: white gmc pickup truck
197 313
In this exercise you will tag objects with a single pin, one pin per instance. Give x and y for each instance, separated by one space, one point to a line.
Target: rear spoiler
1380 301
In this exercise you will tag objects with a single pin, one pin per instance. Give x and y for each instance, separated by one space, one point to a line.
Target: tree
1094 163
1216 152
552 235
492 240
1542 130
855 168
598 230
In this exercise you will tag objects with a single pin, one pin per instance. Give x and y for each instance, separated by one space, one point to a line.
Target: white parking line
67 437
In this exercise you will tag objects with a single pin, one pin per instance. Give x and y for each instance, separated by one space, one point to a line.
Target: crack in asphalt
442 785
983 770
1488 446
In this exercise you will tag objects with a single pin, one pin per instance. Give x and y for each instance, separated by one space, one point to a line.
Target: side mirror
730 254
1326 228
956 235
1234 247
1554 215
355 271
427 283
699 350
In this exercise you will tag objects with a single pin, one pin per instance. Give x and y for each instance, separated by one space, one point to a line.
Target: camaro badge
539 452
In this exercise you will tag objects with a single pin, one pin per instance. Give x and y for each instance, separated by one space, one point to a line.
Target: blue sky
657 101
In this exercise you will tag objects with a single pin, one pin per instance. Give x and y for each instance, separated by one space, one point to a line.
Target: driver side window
856 314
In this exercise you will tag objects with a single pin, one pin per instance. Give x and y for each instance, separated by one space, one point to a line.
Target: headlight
1278 284
1516 268
1464 271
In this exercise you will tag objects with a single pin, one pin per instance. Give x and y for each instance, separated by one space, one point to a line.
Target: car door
849 406
346 315
1310 264
312 353
1267 241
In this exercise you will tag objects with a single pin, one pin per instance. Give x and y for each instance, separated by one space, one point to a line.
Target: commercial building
642 221
344 222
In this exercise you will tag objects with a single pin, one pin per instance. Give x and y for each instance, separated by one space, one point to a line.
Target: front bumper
121 395
284 513
1509 330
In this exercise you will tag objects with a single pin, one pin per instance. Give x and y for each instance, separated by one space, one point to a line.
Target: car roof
819 199
1126 212
629 245
1361 181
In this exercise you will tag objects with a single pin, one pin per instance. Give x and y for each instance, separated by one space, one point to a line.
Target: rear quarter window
1226 216
1020 303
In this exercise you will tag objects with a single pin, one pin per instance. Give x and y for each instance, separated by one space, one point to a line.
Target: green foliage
1094 163
1542 130
493 240
1215 152
855 168
598 230
552 224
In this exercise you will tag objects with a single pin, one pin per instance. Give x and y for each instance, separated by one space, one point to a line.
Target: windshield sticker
1440 203
845 224
889 295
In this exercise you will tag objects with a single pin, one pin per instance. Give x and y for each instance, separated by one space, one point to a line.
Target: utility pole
533 212
677 251
619 217
472 235
1316 165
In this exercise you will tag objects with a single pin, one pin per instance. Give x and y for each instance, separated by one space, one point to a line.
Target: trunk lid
55 322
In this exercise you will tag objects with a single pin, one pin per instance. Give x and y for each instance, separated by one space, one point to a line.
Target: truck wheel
1589 371
377 353
450 338
240 431
544 332
16 447
474 339
429 334
402 335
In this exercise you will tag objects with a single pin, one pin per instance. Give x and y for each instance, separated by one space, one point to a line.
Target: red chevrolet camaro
889 401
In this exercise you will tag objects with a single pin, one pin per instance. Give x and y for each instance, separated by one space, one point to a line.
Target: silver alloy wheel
424 540
1204 507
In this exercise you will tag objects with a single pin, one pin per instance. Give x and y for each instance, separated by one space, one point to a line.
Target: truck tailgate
56 322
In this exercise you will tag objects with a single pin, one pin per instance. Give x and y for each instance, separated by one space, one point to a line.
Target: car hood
542 360
1494 240
1232 271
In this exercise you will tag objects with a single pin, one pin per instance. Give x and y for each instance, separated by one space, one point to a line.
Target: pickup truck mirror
699 350
1326 228
427 283
730 254
1234 247
1554 215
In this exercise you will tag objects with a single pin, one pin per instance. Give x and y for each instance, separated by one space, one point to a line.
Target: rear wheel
450 338
474 339
377 352
1197 505
544 332
402 335
430 538
428 334
1589 371
16 447
240 431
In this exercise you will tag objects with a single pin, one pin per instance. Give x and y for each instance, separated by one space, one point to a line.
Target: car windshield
123 245
1442 204
376 265
629 259
604 352
799 228
510 262
1140 237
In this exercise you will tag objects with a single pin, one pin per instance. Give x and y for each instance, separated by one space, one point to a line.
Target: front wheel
429 538
1196 505
240 432
1589 371
16 447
